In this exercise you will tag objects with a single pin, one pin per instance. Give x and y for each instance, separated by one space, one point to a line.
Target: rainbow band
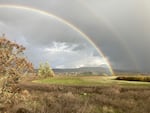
116 33
64 22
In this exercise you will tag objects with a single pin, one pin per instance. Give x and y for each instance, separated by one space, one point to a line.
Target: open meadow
95 80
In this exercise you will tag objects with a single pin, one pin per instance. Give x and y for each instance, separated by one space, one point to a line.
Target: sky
120 29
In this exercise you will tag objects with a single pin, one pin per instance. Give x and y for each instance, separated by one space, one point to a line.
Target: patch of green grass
90 81
67 81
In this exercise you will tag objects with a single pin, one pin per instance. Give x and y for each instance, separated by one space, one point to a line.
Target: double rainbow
65 23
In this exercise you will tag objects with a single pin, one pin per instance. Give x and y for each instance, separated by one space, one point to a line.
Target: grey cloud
63 55
46 28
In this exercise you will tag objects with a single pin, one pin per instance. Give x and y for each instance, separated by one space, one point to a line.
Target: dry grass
112 99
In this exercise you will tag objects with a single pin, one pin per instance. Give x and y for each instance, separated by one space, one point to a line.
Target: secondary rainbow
117 35
64 22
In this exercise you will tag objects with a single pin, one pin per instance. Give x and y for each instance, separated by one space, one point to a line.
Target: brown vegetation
12 66
79 99
134 78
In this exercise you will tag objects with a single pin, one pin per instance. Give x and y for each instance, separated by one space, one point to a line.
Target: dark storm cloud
125 43
131 19
46 28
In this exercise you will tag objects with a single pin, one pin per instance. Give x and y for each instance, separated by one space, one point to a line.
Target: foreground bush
13 65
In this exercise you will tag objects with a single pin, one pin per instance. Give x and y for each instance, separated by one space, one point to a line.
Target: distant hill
94 70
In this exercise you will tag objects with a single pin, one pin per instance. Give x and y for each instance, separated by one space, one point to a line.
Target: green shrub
45 71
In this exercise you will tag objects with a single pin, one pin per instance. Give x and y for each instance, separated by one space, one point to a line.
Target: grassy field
90 81
92 94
